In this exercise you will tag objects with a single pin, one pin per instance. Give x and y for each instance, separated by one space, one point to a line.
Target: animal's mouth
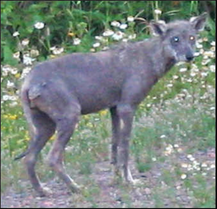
185 58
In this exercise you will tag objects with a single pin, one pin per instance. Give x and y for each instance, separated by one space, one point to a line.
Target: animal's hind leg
65 122
43 129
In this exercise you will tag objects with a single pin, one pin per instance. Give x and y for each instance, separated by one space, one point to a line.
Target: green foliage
83 19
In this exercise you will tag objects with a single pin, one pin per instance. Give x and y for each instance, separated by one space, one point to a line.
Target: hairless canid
56 92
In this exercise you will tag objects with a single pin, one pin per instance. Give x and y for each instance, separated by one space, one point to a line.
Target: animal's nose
189 57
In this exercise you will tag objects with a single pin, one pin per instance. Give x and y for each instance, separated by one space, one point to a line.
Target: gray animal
57 92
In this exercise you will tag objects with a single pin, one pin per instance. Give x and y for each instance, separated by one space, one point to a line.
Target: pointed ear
199 22
158 28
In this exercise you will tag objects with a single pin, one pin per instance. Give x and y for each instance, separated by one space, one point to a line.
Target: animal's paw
136 182
44 192
75 188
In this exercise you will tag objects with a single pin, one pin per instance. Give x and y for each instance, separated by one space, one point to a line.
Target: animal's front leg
125 113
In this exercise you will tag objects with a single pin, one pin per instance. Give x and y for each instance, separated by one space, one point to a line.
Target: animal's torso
99 80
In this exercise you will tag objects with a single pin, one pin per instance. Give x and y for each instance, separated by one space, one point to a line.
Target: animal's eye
192 38
176 39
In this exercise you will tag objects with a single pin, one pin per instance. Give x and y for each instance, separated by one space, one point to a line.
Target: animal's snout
189 57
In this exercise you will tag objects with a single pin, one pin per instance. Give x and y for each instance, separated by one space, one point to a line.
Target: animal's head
178 37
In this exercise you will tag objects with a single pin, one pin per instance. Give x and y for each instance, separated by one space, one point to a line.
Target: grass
188 129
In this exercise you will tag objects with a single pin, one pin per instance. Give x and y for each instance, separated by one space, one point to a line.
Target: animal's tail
22 155
27 111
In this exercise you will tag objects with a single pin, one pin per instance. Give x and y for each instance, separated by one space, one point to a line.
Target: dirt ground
102 193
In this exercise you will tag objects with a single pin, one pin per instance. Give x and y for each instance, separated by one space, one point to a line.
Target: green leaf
8 56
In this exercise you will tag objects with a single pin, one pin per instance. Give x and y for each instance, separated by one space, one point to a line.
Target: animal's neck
162 61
